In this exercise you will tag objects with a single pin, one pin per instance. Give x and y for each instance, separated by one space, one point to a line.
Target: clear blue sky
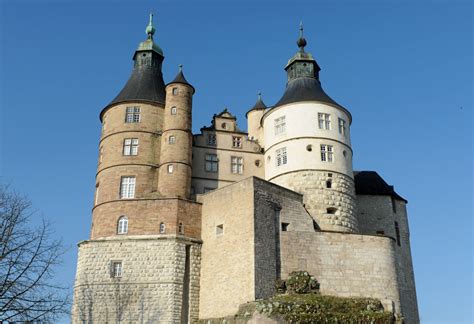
403 68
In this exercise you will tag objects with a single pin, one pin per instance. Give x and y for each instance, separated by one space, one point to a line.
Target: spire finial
301 40
259 95
180 67
150 30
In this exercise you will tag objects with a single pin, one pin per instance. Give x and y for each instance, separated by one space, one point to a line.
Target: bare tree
28 256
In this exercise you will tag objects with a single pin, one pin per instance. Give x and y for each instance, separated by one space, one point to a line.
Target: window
132 115
170 168
309 148
258 163
130 146
237 164
284 227
280 125
237 141
174 110
172 139
211 163
211 139
127 187
397 232
281 156
122 225
96 200
326 153
329 184
162 228
224 126
331 210
342 127
324 121
116 269
101 154
220 229
175 91
181 228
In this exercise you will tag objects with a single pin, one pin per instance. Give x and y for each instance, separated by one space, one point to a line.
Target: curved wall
332 205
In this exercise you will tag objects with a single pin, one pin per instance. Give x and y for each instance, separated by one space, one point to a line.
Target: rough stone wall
150 289
318 198
274 205
379 213
345 264
227 267
145 215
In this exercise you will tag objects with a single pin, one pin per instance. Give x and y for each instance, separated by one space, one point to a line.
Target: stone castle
188 227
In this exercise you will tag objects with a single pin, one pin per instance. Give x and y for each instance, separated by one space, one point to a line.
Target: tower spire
301 40
150 30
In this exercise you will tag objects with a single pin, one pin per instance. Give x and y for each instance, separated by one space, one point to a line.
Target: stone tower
176 140
141 263
308 147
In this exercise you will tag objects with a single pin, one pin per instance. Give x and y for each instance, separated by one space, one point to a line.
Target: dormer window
224 126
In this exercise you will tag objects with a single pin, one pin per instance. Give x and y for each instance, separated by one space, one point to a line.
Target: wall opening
397 233
284 227
219 229
329 184
331 210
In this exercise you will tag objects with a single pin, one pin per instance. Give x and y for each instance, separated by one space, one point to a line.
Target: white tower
308 147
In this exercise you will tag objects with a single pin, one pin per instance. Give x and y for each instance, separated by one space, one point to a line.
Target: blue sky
403 68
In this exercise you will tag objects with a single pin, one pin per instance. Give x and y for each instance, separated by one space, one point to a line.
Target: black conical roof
181 79
259 105
304 89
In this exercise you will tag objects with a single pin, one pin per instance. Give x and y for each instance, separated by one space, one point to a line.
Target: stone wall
150 288
345 264
318 198
378 214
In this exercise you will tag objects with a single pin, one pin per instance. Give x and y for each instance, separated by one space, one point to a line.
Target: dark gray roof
145 84
371 183
259 104
305 89
181 79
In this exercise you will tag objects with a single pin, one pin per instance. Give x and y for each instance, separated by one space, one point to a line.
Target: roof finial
260 95
180 67
301 40
150 30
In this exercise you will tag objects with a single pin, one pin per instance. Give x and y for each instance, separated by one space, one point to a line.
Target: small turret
254 116
176 144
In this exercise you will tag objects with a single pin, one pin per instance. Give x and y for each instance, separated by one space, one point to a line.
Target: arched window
181 228
329 184
122 226
162 228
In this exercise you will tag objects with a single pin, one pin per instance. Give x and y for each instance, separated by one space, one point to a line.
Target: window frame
127 190
237 142
122 225
172 139
210 163
132 114
280 125
116 269
281 156
327 153
342 126
211 139
174 110
130 147
324 121
238 162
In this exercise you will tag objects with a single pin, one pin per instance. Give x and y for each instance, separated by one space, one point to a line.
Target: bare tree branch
28 256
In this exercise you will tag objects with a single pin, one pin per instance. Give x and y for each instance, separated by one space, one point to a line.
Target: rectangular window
237 164
219 229
211 163
324 121
101 154
211 139
326 153
116 270
237 141
170 168
174 110
132 115
171 139
130 146
342 127
281 157
280 125
127 187
175 91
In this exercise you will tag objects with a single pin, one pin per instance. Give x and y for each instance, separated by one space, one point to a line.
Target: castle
188 227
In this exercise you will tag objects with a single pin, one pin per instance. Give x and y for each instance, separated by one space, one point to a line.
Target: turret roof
181 79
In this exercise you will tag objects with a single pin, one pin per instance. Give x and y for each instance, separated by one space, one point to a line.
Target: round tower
308 148
130 136
254 116
176 140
